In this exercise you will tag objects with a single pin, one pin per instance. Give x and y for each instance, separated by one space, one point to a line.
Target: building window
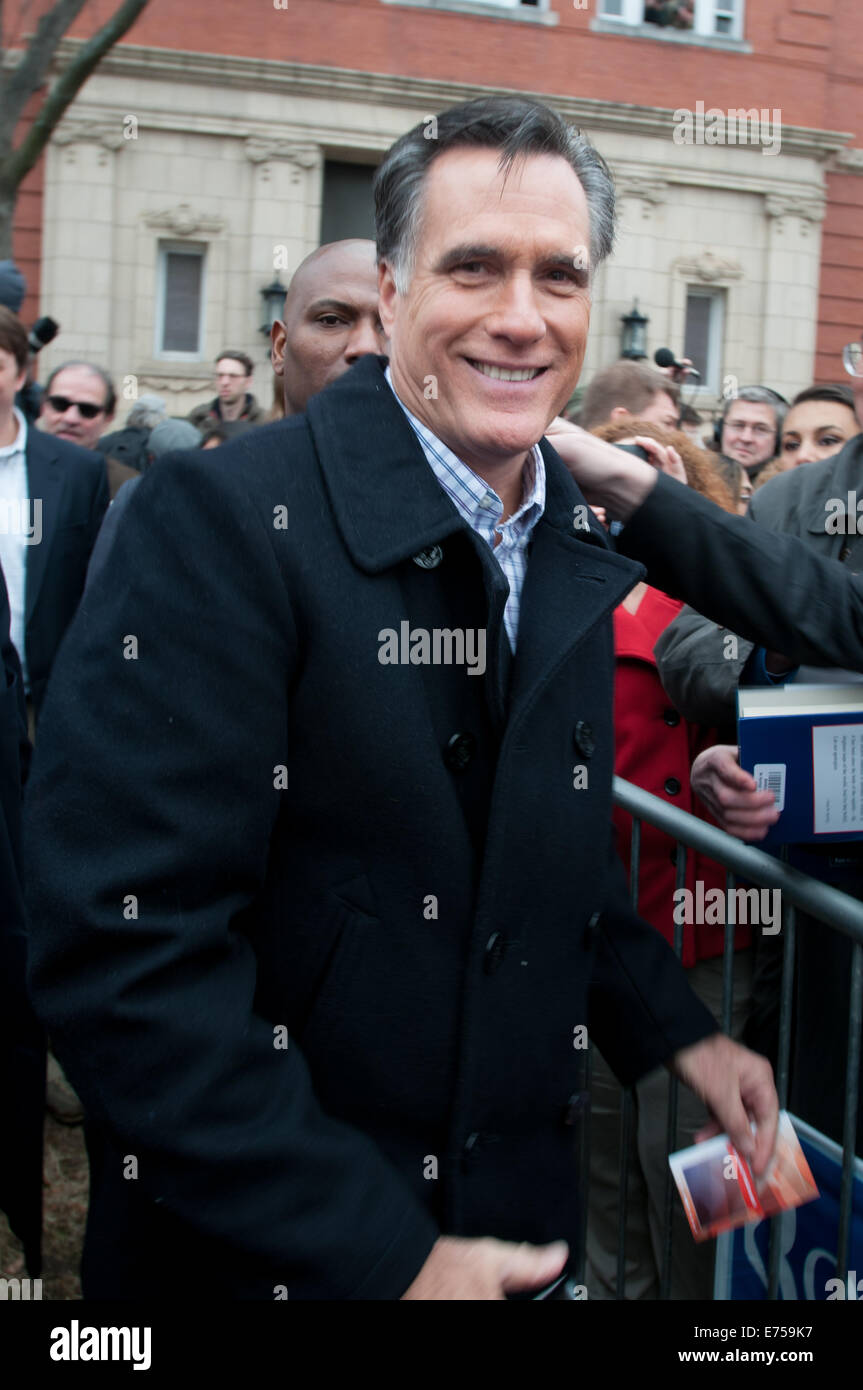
710 19
180 299
348 208
703 332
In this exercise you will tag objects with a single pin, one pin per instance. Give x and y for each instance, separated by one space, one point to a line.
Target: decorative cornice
168 382
302 157
847 162
106 133
184 220
709 268
810 211
648 190
259 151
331 84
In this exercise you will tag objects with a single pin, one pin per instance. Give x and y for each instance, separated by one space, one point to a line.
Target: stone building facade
182 181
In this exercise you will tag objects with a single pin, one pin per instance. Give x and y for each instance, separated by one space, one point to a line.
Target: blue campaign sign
809 1237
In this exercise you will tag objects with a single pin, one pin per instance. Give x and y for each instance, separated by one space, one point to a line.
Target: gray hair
146 413
514 125
760 395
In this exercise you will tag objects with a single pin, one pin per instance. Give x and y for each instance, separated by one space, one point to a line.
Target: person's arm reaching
766 586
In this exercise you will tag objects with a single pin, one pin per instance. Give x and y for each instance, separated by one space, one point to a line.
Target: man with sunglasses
78 404
54 496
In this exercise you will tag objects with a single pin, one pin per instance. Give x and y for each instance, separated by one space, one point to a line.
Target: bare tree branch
20 161
30 72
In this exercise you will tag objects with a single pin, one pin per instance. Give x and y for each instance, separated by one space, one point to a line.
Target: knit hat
173 434
13 286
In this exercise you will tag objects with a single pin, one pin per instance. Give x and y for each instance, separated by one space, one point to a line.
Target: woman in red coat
654 749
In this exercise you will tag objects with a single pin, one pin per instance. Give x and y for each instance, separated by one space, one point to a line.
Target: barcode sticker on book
771 778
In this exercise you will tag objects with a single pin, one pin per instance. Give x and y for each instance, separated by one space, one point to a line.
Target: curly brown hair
702 473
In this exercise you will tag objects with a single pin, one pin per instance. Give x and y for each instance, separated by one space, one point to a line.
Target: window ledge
522 14
664 35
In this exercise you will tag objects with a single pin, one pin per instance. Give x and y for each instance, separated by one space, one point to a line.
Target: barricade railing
837 910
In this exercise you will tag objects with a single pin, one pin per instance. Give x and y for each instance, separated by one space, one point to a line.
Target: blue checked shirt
482 509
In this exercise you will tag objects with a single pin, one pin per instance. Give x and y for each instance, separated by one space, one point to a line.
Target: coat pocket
335 996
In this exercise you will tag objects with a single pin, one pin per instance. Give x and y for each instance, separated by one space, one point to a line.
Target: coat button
672 786
495 950
459 751
592 924
583 739
430 558
575 1107
671 717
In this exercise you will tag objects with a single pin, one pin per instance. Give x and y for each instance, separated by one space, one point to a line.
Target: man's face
232 381
661 411
62 415
488 341
11 381
331 320
749 432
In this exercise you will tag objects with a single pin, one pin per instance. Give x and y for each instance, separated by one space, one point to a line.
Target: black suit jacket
428 907
72 485
22 1040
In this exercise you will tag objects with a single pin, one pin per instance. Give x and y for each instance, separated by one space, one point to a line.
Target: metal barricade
839 911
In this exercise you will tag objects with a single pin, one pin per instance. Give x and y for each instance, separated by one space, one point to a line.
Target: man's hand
732 795
607 476
737 1086
485 1270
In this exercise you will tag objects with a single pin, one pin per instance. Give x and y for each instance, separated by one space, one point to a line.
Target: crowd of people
242 825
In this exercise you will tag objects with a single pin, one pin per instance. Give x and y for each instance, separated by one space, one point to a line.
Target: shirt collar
19 443
478 503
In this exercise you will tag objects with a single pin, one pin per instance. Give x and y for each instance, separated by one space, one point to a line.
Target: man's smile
500 373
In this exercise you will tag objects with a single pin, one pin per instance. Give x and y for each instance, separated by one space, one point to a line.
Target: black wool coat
22 1038
247 830
72 485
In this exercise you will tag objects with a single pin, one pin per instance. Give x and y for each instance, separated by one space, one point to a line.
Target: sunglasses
62 403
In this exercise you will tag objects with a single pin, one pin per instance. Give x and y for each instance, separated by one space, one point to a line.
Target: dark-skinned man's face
331 319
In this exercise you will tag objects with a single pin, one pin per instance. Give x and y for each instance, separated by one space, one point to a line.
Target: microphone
664 357
43 332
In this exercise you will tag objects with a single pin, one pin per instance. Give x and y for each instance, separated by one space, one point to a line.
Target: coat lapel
389 507
45 484
573 581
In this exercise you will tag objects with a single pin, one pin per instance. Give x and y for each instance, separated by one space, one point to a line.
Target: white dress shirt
17 531
482 509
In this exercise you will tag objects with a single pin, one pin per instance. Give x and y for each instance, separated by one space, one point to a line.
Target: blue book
804 743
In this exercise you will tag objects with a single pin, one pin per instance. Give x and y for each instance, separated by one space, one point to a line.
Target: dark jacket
428 906
252 413
22 1039
73 488
692 653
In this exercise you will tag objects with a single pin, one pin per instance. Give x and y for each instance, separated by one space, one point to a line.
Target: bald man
330 320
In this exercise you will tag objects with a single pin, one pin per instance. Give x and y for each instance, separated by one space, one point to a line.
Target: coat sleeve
766 586
700 669
641 1009
150 813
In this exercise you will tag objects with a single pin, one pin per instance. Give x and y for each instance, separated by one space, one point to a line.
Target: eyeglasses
852 358
741 425
62 403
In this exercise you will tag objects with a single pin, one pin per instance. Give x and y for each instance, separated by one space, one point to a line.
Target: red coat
654 748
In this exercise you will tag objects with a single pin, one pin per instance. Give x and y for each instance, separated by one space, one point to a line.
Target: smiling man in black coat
321 809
